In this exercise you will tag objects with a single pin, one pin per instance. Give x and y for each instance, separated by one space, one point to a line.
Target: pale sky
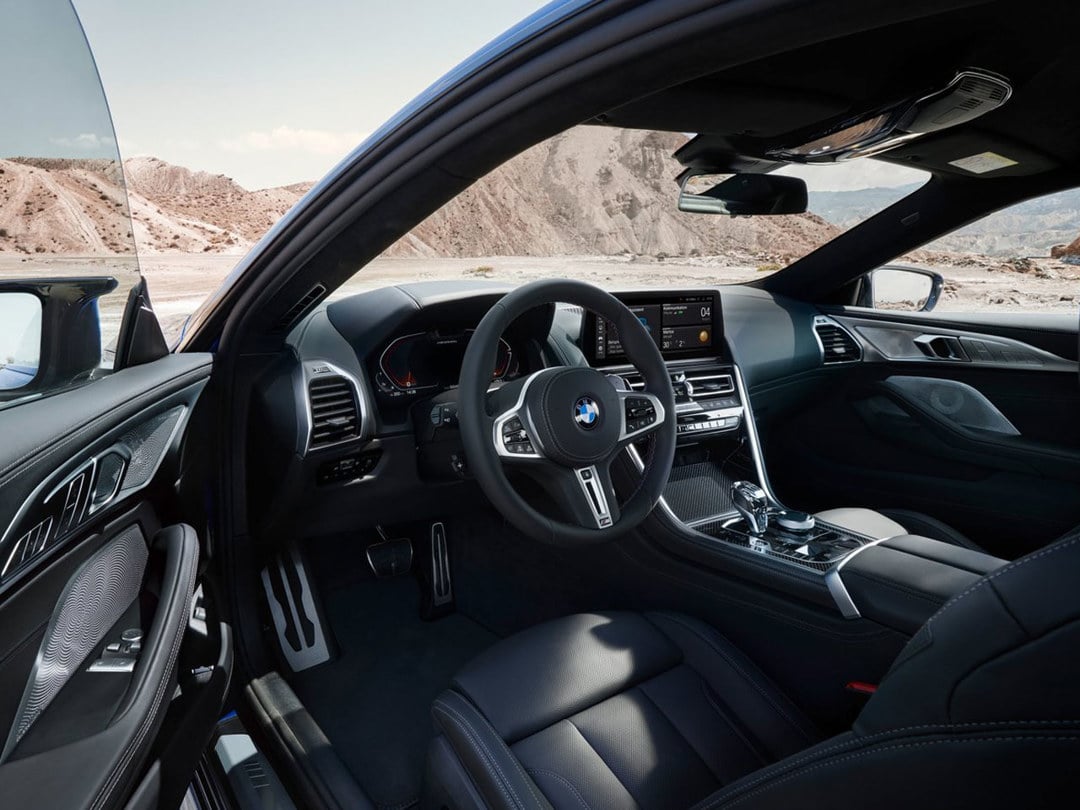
271 92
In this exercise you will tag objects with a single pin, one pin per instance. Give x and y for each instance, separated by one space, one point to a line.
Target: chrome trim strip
835 583
752 436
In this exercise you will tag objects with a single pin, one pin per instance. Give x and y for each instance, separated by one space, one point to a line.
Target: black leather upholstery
613 710
926 526
901 582
981 710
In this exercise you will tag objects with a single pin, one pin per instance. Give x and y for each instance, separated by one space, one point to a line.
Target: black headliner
795 93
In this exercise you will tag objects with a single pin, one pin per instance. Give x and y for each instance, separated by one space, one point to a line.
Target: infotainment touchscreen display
682 325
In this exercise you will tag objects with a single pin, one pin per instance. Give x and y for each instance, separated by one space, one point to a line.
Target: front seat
657 710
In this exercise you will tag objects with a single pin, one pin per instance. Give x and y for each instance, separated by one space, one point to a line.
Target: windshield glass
600 204
63 207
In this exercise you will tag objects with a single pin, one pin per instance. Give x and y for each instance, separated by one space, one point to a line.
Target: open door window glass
66 235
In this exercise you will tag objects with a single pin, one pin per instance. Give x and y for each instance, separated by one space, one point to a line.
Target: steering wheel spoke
588 495
512 432
642 413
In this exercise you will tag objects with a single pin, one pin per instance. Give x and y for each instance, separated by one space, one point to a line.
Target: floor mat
374 700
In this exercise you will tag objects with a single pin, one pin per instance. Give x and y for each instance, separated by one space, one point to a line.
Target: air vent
29 545
837 344
701 382
335 413
297 310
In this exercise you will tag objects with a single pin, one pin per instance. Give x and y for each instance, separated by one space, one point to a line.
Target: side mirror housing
54 335
901 288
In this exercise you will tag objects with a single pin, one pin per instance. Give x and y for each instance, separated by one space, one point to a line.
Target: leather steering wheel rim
477 423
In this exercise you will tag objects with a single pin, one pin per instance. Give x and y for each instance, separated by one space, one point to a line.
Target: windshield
600 204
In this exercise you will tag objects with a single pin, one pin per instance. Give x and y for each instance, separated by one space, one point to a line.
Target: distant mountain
62 206
77 207
600 191
177 209
1029 229
847 208
588 191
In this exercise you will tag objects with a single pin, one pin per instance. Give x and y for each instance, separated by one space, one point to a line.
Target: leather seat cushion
618 710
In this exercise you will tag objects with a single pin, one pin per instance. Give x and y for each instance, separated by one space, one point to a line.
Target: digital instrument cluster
431 361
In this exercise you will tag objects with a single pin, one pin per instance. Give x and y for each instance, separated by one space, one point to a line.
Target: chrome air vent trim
836 344
315 371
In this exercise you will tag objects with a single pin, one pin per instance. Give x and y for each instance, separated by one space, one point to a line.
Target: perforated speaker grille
95 598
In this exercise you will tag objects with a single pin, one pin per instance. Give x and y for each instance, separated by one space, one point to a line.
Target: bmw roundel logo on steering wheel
587 413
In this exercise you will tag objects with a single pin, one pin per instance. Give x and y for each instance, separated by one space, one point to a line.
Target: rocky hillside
1040 227
599 191
589 191
62 206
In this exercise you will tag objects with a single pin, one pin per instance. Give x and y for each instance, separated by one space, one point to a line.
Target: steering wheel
564 426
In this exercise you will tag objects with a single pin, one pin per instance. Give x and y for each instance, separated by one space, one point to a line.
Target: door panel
981 431
98 621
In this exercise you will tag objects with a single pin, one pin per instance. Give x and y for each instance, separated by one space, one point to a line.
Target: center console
719 490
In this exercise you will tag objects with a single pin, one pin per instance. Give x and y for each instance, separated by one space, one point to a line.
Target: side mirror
50 333
901 288
20 339
741 194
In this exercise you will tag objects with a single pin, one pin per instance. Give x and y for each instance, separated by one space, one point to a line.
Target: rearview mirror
20 339
900 288
741 194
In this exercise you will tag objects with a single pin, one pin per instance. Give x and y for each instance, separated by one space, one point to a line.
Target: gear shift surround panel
794 537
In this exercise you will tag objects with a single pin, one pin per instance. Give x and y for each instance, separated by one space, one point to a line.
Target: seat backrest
981 709
1006 649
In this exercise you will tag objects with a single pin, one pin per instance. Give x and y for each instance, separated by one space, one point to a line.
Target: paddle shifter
751 502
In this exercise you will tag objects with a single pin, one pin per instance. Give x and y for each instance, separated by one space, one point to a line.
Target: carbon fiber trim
696 492
94 600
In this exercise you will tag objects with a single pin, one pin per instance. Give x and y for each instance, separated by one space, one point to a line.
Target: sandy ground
178 282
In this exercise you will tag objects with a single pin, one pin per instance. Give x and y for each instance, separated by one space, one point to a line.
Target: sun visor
975 154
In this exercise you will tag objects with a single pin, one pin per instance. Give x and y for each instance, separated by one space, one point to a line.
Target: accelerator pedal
435 583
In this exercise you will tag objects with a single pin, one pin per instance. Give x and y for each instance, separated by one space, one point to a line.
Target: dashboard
357 421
